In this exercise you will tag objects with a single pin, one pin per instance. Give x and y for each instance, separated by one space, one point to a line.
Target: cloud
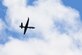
35 47
1 25
50 18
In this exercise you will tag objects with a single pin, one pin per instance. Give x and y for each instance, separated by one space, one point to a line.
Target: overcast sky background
58 27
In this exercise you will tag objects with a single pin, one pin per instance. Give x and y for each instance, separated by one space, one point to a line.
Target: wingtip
28 17
24 33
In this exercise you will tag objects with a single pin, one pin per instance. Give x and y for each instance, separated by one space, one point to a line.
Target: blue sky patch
77 4
3 10
30 2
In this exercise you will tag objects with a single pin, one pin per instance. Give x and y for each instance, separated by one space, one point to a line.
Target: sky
74 4
58 27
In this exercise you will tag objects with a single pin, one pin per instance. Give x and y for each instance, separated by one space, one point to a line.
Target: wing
27 22
25 30
26 26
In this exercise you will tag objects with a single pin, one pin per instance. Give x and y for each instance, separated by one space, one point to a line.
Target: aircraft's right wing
25 28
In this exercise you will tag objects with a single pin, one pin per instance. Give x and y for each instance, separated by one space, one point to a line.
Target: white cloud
58 46
42 15
1 25
34 47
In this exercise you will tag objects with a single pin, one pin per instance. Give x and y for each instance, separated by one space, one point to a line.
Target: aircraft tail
21 25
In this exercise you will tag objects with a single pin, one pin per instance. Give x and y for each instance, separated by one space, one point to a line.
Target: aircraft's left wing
27 22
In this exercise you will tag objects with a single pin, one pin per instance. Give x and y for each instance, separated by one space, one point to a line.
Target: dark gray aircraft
26 26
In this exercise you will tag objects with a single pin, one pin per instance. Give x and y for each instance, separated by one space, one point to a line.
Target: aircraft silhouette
26 26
